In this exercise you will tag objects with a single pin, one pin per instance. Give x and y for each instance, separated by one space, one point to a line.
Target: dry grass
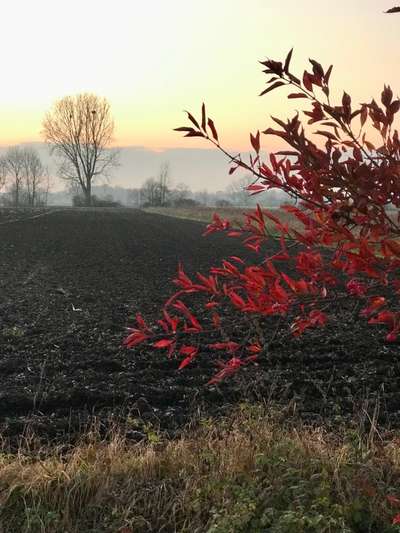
234 214
201 214
246 473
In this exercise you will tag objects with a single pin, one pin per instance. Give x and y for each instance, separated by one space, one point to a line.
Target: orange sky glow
152 60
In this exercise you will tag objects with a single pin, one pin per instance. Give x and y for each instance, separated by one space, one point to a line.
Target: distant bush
80 201
100 202
223 203
186 202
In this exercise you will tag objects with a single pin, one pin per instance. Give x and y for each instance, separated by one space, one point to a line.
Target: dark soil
70 282
13 214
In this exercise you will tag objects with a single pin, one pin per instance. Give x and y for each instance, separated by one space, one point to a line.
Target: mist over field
197 168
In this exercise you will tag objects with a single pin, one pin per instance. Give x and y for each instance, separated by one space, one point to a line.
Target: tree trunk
88 193
33 198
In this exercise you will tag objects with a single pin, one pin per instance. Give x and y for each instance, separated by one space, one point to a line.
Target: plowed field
70 282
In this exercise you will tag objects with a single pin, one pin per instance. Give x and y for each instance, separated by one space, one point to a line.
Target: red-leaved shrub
344 245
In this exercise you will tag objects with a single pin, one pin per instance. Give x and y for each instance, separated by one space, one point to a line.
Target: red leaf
172 321
255 141
136 337
184 309
327 134
307 81
256 189
229 346
236 300
384 317
141 323
357 154
287 61
328 75
203 117
228 369
394 107
184 128
396 519
193 120
291 283
369 145
216 319
297 95
317 68
393 246
194 134
356 288
272 87
164 326
190 352
254 348
387 95
373 305
213 129
185 362
363 115
163 343
318 317
346 99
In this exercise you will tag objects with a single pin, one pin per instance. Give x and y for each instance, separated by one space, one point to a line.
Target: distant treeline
152 194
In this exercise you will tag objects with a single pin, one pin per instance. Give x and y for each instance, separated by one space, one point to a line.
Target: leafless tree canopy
14 166
155 191
237 191
150 193
36 176
163 180
27 179
3 173
80 129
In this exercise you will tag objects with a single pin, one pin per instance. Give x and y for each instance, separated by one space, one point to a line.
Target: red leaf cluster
346 243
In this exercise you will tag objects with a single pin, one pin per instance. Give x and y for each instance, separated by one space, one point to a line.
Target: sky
154 59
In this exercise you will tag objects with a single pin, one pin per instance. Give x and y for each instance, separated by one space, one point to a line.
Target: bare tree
150 193
79 130
36 176
14 168
202 196
238 193
164 182
133 197
179 193
156 191
3 172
